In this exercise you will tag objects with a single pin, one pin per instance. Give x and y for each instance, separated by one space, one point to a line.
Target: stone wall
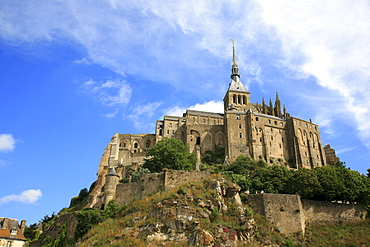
289 214
317 212
283 211
154 182
149 184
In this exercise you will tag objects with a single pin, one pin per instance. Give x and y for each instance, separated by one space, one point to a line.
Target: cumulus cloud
174 42
210 106
110 92
27 196
7 142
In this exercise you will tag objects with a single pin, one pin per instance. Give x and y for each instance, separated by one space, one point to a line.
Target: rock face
193 217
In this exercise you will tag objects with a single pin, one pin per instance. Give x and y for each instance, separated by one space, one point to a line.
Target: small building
11 233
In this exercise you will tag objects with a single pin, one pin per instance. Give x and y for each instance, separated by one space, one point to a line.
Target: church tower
237 97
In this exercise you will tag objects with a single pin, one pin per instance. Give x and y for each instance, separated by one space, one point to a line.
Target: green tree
169 153
136 174
273 179
305 182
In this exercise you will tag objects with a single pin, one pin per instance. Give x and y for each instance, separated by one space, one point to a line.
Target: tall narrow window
240 135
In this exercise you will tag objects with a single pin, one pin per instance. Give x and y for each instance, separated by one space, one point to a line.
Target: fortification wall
291 214
317 212
174 178
283 211
154 182
148 185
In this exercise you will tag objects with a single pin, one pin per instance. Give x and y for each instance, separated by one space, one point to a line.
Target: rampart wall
289 214
317 212
154 182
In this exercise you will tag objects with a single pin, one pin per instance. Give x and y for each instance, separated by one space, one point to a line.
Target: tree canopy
169 153
329 183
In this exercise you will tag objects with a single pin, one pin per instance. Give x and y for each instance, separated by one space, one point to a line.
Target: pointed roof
112 172
235 84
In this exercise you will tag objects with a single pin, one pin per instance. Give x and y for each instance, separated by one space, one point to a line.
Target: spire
234 66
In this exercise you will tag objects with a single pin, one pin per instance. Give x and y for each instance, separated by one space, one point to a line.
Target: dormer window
13 231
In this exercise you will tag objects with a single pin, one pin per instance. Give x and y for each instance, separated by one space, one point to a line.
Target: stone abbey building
260 131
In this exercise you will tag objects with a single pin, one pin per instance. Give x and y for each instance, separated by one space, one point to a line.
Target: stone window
204 120
214 121
147 145
256 118
124 145
237 116
240 135
170 124
234 99
260 139
281 124
239 99
136 145
269 121
168 132
275 122
240 126
272 138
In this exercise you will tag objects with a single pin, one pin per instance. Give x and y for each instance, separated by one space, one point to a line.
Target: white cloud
82 61
7 142
27 196
210 106
110 92
328 40
111 114
141 114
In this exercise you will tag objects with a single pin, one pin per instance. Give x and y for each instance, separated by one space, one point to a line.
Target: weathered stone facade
259 131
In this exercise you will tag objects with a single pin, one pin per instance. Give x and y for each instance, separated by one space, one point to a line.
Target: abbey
260 131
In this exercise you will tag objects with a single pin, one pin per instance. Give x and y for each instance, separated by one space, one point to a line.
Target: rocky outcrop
194 219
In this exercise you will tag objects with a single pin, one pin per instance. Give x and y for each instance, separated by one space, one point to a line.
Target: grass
346 235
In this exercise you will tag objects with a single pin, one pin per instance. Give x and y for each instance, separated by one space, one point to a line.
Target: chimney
5 223
23 225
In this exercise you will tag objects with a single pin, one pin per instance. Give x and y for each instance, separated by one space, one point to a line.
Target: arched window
239 99
136 145
234 99
244 100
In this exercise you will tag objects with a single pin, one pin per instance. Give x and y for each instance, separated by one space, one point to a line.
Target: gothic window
244 100
239 100
234 99
135 145
198 141
272 138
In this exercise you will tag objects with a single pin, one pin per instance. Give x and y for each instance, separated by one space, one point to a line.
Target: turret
111 182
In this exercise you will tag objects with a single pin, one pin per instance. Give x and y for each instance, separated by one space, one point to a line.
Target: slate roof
6 225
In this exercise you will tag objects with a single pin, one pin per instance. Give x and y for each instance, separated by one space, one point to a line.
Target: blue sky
73 73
